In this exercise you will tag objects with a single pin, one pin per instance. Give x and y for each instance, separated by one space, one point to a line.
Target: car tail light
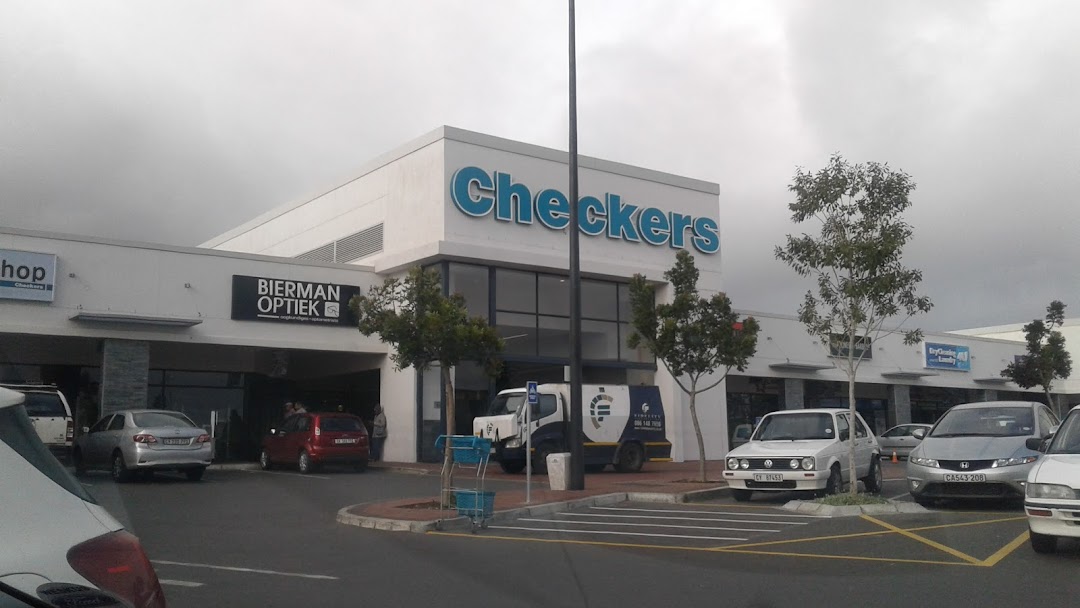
116 563
144 438
70 430
318 431
204 438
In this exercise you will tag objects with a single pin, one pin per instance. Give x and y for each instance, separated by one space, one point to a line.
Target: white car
793 450
57 543
50 414
1052 492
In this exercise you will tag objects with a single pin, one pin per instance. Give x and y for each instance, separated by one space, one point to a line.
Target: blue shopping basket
475 504
467 449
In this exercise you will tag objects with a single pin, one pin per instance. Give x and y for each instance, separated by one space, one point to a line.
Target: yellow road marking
925 541
1004 552
851 557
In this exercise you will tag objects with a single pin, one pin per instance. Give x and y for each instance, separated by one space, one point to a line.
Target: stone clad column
794 396
125 369
899 404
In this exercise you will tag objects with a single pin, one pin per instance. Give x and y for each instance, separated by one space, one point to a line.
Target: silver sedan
144 440
900 439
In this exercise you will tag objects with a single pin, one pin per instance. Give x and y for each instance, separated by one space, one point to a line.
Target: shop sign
838 347
26 275
286 300
947 356
478 193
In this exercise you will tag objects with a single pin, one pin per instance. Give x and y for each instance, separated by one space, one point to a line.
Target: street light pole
575 438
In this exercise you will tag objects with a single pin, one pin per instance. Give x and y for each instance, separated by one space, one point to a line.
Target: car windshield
340 424
44 405
1067 438
506 404
159 419
998 421
790 427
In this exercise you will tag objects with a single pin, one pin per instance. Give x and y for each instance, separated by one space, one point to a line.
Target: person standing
378 434
300 409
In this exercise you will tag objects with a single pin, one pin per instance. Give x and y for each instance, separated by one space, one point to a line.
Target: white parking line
730 521
169 581
612 532
252 570
708 512
620 523
289 474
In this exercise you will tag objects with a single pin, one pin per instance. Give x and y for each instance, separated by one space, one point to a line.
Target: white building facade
233 329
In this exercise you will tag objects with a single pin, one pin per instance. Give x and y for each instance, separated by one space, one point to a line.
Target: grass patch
845 499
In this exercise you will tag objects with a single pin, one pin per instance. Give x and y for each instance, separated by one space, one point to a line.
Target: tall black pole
575 438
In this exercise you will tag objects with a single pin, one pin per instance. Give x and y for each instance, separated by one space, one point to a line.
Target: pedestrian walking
378 434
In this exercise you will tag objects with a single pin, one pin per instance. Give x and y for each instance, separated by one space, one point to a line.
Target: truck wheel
631 458
512 466
873 480
741 495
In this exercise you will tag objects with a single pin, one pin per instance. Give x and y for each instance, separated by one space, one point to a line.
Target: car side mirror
918 433
1036 444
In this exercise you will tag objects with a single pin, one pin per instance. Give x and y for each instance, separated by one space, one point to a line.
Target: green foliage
425 326
844 500
856 257
692 336
1047 358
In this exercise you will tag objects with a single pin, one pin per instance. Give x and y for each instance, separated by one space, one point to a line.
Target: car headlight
808 464
1008 462
794 463
926 462
732 463
744 464
1050 490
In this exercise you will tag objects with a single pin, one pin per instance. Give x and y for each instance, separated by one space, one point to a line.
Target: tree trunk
697 430
447 477
851 416
1050 402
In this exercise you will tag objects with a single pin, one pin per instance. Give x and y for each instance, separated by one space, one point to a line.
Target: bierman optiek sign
26 275
262 299
477 193
947 356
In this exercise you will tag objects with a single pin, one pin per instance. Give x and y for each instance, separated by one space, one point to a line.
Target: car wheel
631 458
120 472
835 485
77 460
512 466
741 495
1043 543
264 460
873 480
195 474
304 462
360 466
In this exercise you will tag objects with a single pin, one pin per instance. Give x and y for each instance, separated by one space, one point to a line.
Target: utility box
558 467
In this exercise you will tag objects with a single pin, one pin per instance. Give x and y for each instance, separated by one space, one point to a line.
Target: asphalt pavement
248 538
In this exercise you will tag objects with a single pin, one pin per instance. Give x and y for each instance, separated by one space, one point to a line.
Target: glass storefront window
518 332
625 312
515 290
600 340
208 379
472 283
554 295
554 336
598 300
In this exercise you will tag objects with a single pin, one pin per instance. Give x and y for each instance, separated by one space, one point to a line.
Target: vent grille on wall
353 247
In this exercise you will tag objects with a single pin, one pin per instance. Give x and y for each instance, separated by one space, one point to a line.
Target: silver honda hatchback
129 441
976 450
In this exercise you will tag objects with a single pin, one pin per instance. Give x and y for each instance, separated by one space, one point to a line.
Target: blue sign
533 397
948 356
477 193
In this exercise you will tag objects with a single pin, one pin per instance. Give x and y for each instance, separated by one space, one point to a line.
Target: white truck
622 425
51 416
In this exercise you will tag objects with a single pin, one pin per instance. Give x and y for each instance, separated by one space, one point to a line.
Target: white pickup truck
794 450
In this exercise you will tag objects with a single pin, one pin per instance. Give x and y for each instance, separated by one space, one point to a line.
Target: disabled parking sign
533 396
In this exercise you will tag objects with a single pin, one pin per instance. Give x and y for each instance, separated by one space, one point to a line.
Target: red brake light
70 429
202 438
116 563
144 438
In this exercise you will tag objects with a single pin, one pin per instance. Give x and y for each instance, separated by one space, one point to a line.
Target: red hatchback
311 440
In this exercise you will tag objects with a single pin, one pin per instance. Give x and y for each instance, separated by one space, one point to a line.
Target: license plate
340 441
964 477
768 477
175 441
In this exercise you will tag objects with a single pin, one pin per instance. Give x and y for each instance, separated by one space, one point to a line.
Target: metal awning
911 374
800 366
992 380
133 318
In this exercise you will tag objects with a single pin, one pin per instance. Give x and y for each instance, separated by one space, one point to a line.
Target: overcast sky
175 121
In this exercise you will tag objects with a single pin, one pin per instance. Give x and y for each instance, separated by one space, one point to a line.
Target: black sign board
286 300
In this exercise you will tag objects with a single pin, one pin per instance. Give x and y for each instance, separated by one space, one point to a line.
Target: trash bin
558 467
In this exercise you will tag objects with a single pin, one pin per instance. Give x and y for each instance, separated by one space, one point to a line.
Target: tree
425 327
856 260
692 336
1047 359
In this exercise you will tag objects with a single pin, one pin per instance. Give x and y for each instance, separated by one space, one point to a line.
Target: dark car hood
972 448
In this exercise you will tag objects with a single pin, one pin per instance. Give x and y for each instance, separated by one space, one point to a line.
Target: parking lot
270 539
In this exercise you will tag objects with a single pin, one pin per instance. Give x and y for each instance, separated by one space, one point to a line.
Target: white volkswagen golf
1052 493
56 543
